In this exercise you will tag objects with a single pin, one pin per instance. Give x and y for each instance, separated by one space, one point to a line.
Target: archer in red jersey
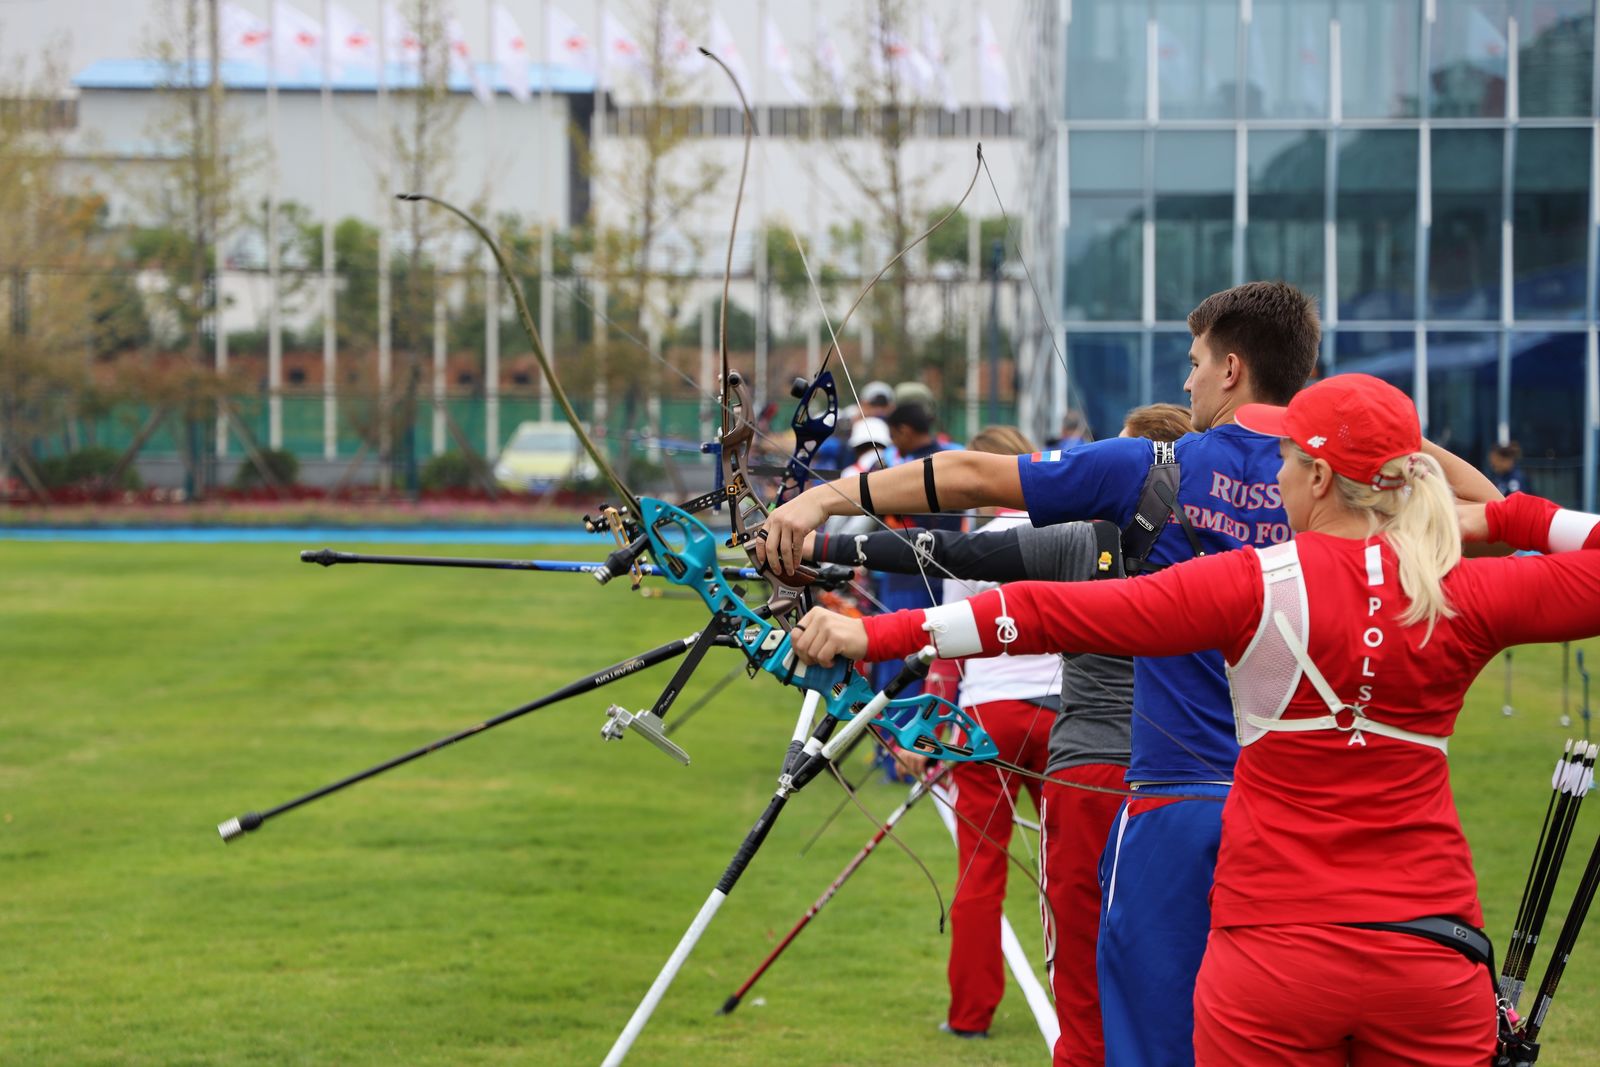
1349 650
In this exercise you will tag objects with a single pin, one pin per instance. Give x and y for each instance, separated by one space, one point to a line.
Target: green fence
303 415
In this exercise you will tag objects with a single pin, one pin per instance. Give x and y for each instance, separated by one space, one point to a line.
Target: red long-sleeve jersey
1319 828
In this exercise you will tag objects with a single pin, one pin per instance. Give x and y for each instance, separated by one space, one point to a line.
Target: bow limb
545 365
746 509
833 345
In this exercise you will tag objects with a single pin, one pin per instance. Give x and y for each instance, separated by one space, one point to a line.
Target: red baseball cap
1354 421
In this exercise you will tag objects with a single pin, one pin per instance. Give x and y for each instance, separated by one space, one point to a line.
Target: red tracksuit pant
1076 823
984 799
1324 996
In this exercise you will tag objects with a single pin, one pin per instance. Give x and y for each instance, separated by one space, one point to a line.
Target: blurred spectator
1074 431
1504 468
916 393
877 399
870 440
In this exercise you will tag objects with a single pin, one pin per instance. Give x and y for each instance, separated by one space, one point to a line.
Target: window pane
1467 54
1286 73
1550 214
1463 384
1547 376
1104 371
1382 354
1197 43
1555 51
1378 57
1284 238
1105 243
1105 60
1169 367
1464 245
1377 231
1194 219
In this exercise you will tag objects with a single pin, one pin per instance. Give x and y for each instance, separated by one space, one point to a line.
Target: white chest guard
1268 673
1264 680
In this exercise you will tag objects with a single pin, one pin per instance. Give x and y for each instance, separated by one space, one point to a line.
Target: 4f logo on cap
1317 442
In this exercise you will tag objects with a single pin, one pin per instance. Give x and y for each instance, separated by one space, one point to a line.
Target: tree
655 186
188 210
891 92
45 279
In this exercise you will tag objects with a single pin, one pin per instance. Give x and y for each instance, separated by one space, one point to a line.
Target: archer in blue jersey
1183 722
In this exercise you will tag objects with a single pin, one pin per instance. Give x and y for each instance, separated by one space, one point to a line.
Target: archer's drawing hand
823 635
781 544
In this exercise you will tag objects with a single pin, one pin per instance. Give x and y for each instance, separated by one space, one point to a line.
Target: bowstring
1006 792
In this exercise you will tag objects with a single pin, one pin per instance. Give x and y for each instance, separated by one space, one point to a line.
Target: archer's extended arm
979 556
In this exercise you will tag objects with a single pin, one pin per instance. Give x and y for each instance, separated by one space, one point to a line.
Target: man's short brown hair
1271 326
1159 422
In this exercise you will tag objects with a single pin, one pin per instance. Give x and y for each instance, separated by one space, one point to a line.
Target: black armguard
989 557
927 484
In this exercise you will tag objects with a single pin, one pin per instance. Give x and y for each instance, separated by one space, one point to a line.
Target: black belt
1465 938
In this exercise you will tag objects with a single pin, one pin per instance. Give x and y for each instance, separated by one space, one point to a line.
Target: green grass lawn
507 900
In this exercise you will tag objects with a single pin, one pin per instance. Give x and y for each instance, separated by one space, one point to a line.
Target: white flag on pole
680 50
910 67
400 42
996 83
727 49
623 53
567 43
511 54
781 63
243 36
1485 44
832 64
297 43
461 64
933 52
350 45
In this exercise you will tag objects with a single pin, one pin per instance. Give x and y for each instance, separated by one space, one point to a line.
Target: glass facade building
1426 168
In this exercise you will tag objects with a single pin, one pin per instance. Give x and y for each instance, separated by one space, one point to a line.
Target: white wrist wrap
1570 529
954 630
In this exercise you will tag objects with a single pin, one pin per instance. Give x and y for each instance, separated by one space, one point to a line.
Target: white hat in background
870 431
877 393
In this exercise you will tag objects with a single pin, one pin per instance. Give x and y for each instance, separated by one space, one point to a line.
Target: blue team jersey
1228 486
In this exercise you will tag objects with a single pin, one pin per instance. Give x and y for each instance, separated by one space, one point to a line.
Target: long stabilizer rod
918 791
916 668
327 557
252 820
1044 1012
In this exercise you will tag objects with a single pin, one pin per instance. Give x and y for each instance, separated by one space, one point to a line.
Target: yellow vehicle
541 456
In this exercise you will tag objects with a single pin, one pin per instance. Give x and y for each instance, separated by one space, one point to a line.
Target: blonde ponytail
1420 522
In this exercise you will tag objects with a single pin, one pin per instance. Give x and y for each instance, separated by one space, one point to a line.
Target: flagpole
974 275
759 230
547 194
274 322
386 199
219 334
330 403
491 288
597 133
